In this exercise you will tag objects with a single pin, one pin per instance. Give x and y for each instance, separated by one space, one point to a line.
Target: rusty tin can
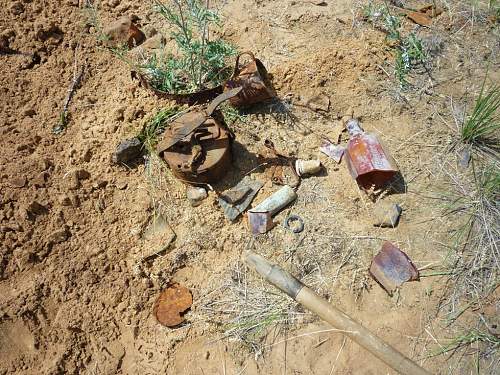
254 80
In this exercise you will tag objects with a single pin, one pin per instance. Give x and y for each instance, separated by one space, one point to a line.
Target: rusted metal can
254 80
197 145
367 160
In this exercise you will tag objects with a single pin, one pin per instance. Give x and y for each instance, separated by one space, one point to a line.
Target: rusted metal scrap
236 200
260 216
171 305
198 97
254 80
197 145
391 267
280 168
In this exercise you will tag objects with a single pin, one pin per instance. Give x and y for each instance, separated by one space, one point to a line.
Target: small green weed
157 125
409 50
466 339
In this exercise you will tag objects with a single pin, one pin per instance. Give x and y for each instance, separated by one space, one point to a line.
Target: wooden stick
315 303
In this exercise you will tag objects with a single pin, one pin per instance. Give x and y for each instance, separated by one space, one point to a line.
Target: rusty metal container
197 145
367 160
254 80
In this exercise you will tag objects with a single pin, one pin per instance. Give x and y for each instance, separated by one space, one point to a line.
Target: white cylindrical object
307 166
277 201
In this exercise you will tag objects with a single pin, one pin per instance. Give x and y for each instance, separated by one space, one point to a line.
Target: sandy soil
74 295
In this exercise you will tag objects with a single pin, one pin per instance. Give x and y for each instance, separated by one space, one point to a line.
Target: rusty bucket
254 80
197 145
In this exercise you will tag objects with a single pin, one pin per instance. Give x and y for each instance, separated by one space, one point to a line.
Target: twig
77 78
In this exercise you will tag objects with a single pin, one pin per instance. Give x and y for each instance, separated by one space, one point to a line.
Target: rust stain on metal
391 267
254 80
199 97
197 145
171 305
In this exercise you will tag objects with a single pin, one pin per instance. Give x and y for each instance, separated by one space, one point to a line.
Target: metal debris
259 217
260 222
171 305
197 145
254 80
367 160
307 167
294 223
391 267
333 151
236 200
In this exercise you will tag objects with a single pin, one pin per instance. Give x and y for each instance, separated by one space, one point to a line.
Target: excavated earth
75 296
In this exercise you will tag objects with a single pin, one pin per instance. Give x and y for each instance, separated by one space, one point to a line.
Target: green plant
157 125
199 62
466 339
409 50
481 128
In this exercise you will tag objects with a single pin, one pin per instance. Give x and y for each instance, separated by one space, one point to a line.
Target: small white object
196 195
307 166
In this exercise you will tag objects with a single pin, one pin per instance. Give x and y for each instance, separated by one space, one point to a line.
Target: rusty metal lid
172 304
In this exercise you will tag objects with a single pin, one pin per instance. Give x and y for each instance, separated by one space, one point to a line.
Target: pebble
386 214
40 180
196 195
18 182
58 236
123 31
127 151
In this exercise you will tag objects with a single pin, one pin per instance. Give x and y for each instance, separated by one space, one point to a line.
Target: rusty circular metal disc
171 305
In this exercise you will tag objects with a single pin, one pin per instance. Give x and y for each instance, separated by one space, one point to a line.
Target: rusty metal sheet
391 267
254 80
171 305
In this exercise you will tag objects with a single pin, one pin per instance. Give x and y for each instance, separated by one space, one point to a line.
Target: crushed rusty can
254 80
367 160
197 145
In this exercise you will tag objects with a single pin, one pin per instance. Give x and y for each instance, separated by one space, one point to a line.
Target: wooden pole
318 305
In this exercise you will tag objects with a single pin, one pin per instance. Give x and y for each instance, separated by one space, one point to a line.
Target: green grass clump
481 129
199 62
466 339
156 126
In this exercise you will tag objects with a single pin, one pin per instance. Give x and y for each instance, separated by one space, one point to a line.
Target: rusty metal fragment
171 305
254 80
236 200
391 267
366 158
260 222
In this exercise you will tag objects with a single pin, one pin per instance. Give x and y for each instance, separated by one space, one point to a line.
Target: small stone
121 184
35 208
58 236
82 174
64 200
386 214
40 180
18 182
127 151
17 8
123 32
87 155
196 195
73 181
